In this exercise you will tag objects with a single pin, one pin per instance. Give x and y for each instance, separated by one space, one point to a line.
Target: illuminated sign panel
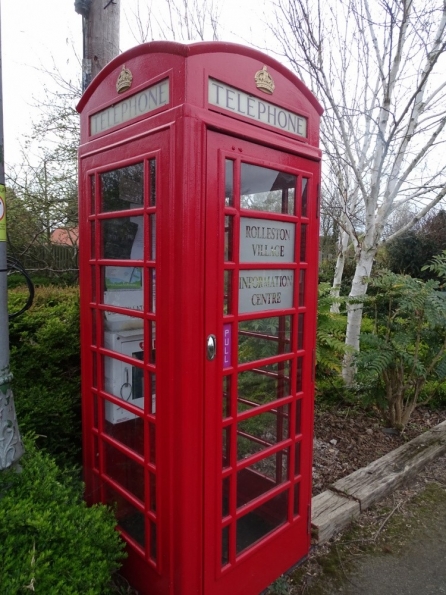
136 105
243 104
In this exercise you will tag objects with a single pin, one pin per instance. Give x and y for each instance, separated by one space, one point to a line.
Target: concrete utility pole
11 447
100 28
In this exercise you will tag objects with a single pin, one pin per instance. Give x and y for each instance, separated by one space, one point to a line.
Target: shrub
52 543
44 344
406 346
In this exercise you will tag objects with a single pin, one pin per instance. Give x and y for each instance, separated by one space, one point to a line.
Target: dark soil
348 439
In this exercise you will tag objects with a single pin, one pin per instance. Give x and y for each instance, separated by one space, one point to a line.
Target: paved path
420 569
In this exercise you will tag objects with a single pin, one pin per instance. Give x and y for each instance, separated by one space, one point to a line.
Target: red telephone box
199 177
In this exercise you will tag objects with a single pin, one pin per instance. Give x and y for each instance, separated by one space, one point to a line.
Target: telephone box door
261 279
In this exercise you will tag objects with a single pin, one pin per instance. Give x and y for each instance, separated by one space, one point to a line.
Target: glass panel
93 239
257 524
124 471
227 395
227 303
266 289
130 433
302 275
93 194
296 499
300 331
152 443
226 437
225 498
229 228
152 174
264 189
263 337
263 385
152 491
122 238
152 290
225 546
95 371
122 188
124 381
299 378
95 411
298 416
95 453
152 384
120 324
304 201
261 431
297 450
153 541
94 335
229 183
256 480
130 519
152 227
303 243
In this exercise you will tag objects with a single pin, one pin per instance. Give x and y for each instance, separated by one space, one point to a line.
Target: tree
377 69
177 20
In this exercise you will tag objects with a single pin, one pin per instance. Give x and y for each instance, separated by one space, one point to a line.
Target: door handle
211 347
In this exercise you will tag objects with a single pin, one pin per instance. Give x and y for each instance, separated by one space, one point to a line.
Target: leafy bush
52 543
406 346
44 344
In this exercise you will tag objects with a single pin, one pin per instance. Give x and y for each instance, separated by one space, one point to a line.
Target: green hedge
51 542
45 362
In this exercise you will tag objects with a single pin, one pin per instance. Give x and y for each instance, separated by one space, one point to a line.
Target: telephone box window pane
95 411
300 331
303 243
123 188
258 479
299 377
152 227
227 396
263 385
225 546
302 275
152 174
152 404
130 433
95 453
152 443
152 290
298 416
227 302
296 499
130 519
229 228
153 541
261 431
225 493
124 471
122 238
93 194
92 239
304 200
264 189
262 520
263 337
125 382
226 447
297 451
229 183
119 325
152 491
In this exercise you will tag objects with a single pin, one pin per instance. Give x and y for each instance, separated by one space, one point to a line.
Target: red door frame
281 548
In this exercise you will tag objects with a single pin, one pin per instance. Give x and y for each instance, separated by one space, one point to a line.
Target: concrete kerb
337 507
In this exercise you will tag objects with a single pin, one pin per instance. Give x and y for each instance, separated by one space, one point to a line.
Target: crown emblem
124 81
264 81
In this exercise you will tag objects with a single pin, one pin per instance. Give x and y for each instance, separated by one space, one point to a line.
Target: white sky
39 33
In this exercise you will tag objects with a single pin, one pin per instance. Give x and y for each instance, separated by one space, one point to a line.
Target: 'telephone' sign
243 104
141 103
